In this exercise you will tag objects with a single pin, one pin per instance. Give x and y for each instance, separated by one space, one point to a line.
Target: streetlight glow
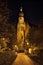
27 43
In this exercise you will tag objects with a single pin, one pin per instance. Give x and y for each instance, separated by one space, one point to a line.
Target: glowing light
30 50
21 9
3 38
27 43
16 47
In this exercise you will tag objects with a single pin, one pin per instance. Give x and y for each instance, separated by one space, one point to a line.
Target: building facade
21 30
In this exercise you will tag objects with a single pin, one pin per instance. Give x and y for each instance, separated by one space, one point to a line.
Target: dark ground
10 58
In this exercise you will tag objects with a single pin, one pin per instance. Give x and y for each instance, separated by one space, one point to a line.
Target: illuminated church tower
21 30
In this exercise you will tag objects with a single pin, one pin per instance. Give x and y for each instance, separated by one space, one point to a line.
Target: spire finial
21 9
21 14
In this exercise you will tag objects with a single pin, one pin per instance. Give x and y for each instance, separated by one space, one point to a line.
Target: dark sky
33 10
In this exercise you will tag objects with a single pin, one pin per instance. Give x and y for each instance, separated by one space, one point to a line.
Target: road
23 59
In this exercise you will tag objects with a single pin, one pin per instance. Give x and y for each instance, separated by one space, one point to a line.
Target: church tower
21 30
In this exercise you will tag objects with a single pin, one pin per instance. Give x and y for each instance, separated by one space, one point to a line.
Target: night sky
33 10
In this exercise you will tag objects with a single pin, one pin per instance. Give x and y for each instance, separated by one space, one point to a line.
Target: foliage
36 34
7 30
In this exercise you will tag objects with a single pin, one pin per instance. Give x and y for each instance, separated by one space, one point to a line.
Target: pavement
23 59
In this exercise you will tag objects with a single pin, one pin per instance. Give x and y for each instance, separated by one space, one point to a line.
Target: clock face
21 19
